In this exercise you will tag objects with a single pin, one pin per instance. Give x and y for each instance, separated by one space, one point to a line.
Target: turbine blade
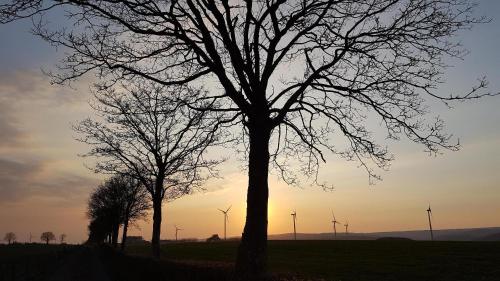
229 208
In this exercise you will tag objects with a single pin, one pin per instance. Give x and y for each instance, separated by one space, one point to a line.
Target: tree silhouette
47 237
99 230
106 205
120 200
136 205
9 237
62 238
292 74
149 135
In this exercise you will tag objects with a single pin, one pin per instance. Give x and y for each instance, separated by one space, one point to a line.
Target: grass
358 260
331 260
20 251
20 262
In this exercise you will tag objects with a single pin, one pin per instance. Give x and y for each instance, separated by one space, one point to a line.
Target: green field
358 260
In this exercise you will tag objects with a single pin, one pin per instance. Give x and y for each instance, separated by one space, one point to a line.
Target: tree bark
251 263
157 202
125 228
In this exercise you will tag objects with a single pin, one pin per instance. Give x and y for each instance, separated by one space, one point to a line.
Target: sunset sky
44 184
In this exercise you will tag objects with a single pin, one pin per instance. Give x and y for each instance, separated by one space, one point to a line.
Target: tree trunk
125 228
157 201
114 238
251 263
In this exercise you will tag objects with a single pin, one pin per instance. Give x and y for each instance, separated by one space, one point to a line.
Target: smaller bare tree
136 203
98 230
9 237
62 238
106 205
120 200
47 237
148 134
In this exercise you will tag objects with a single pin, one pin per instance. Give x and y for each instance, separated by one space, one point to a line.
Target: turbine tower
176 231
226 219
429 215
346 227
294 217
335 222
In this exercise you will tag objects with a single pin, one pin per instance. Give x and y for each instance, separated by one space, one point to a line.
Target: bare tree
106 205
99 230
62 238
292 74
148 135
136 205
120 200
47 237
9 237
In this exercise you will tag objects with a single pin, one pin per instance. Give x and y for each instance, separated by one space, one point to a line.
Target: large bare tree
292 74
146 133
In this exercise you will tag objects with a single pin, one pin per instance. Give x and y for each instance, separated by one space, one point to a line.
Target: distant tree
62 238
150 136
99 230
47 237
120 200
9 237
106 205
136 205
293 75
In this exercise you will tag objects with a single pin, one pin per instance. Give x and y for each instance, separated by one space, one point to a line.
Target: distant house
213 238
135 240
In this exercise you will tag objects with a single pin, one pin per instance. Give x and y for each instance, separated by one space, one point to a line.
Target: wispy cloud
11 135
20 180
25 171
33 86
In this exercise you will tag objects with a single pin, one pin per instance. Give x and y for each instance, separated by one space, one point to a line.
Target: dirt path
83 265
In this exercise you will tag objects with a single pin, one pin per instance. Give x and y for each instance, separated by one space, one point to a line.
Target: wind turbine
294 217
176 231
226 219
429 215
335 222
346 227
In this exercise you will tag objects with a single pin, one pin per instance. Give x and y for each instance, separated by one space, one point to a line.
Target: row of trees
175 76
119 201
10 237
